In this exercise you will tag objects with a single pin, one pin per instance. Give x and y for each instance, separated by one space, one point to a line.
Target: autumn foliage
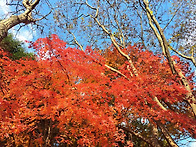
70 97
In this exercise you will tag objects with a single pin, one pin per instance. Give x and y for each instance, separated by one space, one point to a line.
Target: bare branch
25 17
116 44
34 4
123 54
169 139
121 36
147 140
90 6
75 40
45 15
165 47
159 103
117 71
25 3
172 17
184 56
142 31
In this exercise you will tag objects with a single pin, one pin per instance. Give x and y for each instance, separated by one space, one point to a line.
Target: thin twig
75 40
172 17
117 71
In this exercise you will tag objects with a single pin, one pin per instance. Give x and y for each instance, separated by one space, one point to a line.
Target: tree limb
165 48
147 140
118 72
75 40
191 58
14 20
169 139
172 17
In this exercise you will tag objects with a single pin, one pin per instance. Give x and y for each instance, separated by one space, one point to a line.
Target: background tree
14 48
126 20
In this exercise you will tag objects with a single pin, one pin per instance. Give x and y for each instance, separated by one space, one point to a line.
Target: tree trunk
164 45
14 20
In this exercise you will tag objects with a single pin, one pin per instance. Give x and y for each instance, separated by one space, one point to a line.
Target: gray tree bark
25 17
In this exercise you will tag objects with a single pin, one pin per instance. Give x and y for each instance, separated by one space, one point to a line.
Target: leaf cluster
70 98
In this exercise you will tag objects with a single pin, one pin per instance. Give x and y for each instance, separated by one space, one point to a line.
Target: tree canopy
75 98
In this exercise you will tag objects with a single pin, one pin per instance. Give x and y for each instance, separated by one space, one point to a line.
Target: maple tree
93 98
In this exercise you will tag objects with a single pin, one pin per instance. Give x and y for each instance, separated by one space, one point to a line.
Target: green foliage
14 48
